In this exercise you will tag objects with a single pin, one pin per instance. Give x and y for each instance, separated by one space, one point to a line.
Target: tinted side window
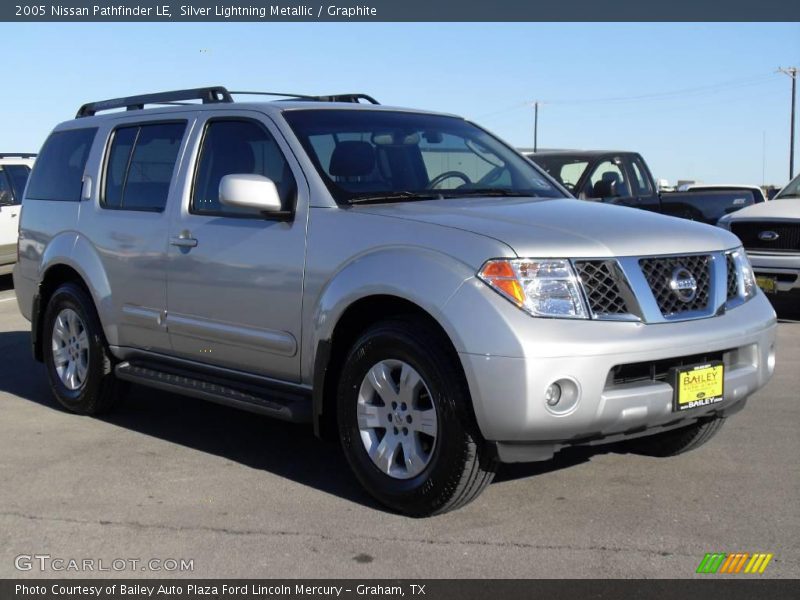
608 181
140 164
58 173
117 165
18 174
238 147
641 180
6 196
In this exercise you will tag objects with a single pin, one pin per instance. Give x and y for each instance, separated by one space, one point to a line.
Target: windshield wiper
488 192
395 196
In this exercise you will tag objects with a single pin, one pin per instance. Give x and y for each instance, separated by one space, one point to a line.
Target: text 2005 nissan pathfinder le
403 280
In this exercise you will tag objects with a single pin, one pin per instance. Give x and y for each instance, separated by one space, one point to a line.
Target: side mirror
255 192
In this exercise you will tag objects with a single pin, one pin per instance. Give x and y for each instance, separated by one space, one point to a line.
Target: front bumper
508 392
785 268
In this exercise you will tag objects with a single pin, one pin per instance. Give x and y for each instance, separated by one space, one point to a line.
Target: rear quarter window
58 173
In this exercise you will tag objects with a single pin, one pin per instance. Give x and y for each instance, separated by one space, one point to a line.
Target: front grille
601 287
749 231
733 280
658 370
659 273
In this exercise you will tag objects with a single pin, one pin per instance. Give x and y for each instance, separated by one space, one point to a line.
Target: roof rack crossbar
17 155
278 94
208 95
354 98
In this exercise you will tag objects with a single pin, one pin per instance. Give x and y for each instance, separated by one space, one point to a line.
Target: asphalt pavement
166 477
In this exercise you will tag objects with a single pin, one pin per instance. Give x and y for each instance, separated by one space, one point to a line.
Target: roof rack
17 155
208 95
354 98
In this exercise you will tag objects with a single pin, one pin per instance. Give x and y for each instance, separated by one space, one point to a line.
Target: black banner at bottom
431 589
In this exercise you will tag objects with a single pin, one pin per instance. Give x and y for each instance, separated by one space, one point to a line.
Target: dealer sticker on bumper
769 285
698 386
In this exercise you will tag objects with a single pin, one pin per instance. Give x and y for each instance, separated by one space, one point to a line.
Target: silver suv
401 279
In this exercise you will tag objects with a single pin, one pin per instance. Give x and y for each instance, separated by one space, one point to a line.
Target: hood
545 228
767 211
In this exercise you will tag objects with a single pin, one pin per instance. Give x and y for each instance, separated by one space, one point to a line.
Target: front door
235 280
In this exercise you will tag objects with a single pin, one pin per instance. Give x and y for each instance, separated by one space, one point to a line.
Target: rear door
128 225
236 278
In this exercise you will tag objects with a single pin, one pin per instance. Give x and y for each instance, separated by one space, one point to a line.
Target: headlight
543 288
744 272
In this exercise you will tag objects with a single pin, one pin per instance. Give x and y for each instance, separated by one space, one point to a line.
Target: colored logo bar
734 562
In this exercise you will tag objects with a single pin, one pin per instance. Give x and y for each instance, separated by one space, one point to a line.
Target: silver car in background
401 279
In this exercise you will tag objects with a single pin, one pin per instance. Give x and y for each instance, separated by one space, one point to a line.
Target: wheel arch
331 351
79 265
56 275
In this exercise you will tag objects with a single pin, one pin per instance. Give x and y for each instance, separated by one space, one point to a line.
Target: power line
712 88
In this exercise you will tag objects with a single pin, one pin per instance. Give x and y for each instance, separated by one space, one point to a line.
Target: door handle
184 240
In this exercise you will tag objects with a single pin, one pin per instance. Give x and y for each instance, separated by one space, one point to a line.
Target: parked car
401 279
770 234
14 171
624 178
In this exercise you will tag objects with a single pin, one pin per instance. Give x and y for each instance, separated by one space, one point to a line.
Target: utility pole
535 125
791 72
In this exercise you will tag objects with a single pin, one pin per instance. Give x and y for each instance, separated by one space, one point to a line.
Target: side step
270 400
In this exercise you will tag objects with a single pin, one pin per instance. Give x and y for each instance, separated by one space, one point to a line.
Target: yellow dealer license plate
769 285
699 385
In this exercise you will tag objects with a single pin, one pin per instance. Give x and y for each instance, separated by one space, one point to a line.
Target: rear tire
677 441
410 438
78 364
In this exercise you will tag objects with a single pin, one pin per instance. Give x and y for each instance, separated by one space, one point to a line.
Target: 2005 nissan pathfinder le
401 279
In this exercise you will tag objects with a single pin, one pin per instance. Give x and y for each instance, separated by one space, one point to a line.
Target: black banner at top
398 10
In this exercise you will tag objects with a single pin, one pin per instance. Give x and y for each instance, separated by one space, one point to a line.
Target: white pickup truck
14 171
770 233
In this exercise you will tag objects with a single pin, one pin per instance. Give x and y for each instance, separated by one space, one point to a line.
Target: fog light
562 396
553 394
771 360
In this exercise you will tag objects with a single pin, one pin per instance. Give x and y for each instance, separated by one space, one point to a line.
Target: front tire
677 441
405 421
79 367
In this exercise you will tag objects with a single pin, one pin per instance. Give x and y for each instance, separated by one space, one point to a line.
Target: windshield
371 155
790 191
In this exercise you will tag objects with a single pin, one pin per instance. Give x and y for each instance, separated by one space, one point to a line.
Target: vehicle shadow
787 306
6 283
566 458
285 449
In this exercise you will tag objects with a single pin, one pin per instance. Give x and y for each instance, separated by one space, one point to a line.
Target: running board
272 401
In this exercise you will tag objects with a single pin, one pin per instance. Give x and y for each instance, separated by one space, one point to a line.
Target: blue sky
697 100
